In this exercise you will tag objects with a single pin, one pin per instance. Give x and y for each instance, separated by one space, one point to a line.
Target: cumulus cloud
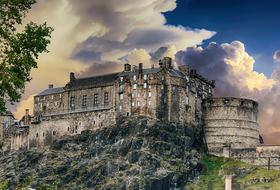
126 25
229 64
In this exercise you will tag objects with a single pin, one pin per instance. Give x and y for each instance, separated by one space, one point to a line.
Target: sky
234 43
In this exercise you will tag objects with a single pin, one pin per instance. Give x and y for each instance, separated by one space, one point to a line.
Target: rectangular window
149 102
133 95
134 86
121 96
84 102
72 102
134 77
138 103
145 85
60 95
121 87
95 100
121 79
106 99
145 77
52 97
150 94
133 104
187 100
120 107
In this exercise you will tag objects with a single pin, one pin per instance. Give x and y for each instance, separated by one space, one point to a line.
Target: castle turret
230 123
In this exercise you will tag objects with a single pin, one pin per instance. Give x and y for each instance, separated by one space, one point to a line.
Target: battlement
230 101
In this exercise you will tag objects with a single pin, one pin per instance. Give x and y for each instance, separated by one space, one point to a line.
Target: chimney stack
127 67
50 85
140 68
72 76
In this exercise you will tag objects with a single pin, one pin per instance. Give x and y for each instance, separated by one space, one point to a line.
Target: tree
19 51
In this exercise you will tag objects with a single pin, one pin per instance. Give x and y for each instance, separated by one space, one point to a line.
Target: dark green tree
18 50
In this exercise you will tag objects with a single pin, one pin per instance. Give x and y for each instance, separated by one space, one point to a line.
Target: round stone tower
230 123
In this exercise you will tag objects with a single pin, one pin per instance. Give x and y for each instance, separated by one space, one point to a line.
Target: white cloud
276 56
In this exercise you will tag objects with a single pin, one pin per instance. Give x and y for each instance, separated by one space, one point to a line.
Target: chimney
72 76
50 85
140 68
127 67
26 116
166 62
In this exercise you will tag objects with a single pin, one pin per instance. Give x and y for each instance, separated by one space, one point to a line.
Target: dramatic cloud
91 36
125 25
232 69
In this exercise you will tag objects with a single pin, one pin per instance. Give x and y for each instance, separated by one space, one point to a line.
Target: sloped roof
94 81
50 91
145 71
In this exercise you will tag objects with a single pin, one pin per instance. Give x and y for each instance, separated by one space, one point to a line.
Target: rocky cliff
137 153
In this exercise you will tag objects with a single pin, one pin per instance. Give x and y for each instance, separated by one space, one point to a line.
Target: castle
165 93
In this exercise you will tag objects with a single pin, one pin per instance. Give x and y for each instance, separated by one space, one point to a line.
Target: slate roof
94 81
145 71
50 91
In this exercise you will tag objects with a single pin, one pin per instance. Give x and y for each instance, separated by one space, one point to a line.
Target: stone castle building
169 94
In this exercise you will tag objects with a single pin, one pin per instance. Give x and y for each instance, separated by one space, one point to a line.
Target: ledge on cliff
137 153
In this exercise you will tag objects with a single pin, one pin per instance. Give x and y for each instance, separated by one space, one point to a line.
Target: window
133 95
162 87
121 87
187 78
145 77
121 79
121 96
145 85
187 100
150 94
120 107
149 102
133 104
54 133
84 103
150 86
134 86
52 97
138 103
44 108
95 100
106 99
138 95
134 77
72 102
60 95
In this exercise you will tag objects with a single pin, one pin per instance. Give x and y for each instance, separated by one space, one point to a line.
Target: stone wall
230 122
56 126
267 156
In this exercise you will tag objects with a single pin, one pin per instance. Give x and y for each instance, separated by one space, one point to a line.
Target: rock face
137 153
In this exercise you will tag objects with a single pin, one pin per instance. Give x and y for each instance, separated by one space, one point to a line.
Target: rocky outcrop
137 153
